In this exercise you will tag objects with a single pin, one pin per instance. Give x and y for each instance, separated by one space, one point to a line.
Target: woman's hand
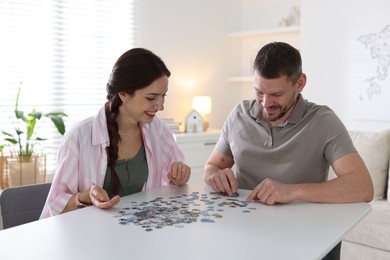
100 199
180 173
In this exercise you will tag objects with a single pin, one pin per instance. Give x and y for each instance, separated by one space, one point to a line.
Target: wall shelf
265 32
240 79
251 40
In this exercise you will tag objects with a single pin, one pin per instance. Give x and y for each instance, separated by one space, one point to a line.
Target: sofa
370 239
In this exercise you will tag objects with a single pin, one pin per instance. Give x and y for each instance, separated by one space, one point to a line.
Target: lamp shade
202 104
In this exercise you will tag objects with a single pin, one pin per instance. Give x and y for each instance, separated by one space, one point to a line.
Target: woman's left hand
180 173
100 199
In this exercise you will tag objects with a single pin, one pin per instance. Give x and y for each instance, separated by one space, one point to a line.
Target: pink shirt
82 159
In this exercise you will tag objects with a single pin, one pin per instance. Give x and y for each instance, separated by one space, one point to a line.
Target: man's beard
282 113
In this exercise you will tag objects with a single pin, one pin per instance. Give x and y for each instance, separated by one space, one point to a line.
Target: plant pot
3 172
25 172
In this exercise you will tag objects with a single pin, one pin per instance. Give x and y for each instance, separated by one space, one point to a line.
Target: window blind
62 52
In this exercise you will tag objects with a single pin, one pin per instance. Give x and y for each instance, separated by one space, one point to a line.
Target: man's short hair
278 59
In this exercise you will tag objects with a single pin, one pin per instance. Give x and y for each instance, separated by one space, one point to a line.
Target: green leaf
20 115
31 121
17 97
57 114
12 141
18 131
35 114
6 133
59 123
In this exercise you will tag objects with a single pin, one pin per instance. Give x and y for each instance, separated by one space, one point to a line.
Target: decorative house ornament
202 104
194 122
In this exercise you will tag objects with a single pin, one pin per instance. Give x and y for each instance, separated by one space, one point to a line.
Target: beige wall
191 37
339 66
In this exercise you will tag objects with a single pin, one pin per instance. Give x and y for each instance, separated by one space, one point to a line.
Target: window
63 52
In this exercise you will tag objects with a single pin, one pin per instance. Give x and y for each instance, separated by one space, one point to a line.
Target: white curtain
62 51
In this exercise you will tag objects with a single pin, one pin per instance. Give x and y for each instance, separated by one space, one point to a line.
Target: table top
224 228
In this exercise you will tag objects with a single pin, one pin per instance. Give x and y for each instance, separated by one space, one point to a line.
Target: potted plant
23 162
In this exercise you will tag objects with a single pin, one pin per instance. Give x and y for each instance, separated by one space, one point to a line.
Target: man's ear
301 82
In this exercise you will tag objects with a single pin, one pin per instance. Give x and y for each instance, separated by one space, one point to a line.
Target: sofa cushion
373 147
374 230
388 180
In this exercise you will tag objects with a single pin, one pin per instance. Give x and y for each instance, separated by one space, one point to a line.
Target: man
281 145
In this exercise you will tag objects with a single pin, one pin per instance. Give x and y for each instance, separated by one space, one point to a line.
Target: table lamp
202 104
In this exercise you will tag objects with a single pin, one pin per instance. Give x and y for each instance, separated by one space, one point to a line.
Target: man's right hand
224 181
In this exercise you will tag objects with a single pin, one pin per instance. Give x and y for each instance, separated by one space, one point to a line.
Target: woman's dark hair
135 69
277 59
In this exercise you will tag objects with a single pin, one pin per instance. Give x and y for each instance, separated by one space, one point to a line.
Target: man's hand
100 199
224 181
180 173
271 192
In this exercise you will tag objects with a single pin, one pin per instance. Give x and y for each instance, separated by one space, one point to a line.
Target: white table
293 231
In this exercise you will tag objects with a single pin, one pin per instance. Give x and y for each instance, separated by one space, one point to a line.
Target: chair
23 204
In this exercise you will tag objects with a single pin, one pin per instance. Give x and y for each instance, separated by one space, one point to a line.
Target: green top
132 174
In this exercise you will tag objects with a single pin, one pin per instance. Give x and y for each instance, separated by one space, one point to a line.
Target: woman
125 148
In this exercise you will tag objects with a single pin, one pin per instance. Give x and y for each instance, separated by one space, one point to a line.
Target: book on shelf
172 125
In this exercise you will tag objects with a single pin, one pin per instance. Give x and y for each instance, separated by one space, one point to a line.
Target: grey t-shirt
298 151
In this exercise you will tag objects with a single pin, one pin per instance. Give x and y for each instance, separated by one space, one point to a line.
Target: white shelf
240 79
211 133
262 32
249 43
